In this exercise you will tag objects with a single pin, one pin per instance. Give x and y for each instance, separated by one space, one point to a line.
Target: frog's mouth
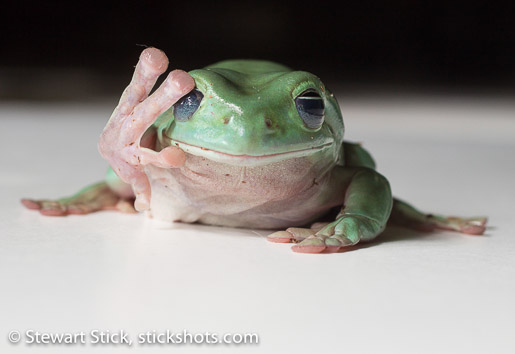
248 160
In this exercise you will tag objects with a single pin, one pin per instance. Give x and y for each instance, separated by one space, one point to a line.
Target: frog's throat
248 160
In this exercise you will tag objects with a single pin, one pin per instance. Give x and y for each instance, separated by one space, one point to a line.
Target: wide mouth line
246 156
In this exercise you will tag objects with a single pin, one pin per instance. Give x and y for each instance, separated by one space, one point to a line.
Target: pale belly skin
293 192
251 106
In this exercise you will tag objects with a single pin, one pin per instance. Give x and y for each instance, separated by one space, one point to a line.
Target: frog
246 144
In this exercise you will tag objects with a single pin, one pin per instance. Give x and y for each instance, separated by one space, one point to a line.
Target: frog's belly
278 195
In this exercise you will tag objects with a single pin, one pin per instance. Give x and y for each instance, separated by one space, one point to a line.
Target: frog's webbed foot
93 198
471 226
404 214
120 142
327 237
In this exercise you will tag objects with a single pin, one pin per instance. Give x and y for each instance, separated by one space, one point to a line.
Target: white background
405 293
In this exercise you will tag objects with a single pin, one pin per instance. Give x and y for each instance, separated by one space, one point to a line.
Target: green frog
244 143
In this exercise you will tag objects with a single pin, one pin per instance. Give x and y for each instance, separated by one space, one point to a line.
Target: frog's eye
311 109
184 108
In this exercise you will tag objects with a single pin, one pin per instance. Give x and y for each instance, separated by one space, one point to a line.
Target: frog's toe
312 244
474 226
31 204
321 237
473 230
153 59
482 220
45 207
292 234
470 226
280 237
52 208
300 234
335 242
90 199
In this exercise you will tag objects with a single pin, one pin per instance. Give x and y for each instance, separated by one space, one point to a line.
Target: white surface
405 293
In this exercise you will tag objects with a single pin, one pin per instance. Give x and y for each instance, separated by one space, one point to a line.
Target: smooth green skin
231 119
231 116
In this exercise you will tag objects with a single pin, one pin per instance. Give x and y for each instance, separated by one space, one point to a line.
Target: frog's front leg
120 142
107 195
367 206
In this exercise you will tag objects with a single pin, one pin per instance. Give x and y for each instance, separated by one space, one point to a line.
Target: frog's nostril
268 123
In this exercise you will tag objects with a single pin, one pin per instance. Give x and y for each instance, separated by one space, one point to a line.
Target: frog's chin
249 160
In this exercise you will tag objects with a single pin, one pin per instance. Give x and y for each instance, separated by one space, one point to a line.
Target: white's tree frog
243 143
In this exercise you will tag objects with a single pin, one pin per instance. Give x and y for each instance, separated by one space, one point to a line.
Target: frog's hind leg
112 194
406 215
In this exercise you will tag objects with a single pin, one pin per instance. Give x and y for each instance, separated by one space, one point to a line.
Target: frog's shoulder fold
354 155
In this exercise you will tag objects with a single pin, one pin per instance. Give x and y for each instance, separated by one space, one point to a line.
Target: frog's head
250 112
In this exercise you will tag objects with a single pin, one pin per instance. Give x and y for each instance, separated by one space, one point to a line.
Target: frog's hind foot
471 226
404 214
90 199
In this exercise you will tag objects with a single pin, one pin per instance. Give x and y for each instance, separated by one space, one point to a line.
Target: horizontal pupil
315 107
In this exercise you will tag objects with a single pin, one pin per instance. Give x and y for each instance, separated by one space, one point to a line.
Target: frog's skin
245 158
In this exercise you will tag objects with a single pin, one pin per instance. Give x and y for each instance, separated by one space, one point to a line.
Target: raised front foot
93 198
120 142
331 237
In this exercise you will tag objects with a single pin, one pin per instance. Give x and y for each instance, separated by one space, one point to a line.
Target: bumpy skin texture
245 158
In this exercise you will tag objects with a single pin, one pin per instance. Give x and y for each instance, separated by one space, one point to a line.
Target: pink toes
473 229
178 83
307 241
54 212
48 208
30 204
280 237
470 226
475 226
292 234
153 59
121 141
